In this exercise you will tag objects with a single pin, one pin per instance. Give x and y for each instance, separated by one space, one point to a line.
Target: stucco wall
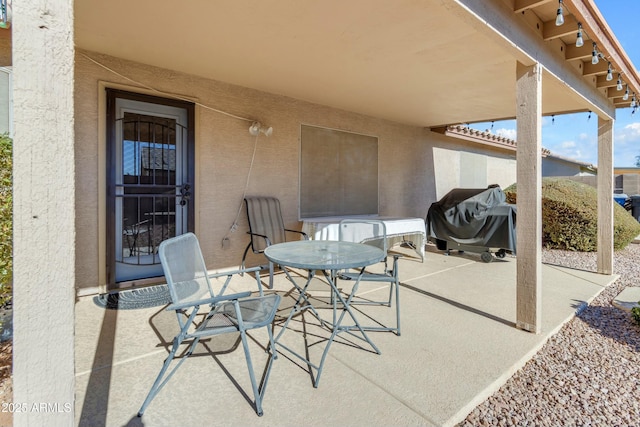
44 256
630 184
224 147
460 164
558 167
5 101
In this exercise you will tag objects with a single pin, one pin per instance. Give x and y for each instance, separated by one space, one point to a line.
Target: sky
575 135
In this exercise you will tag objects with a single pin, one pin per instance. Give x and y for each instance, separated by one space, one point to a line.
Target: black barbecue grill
474 220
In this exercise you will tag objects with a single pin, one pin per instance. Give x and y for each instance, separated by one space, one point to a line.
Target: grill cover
474 217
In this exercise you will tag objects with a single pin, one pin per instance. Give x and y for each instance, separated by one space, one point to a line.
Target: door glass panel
151 189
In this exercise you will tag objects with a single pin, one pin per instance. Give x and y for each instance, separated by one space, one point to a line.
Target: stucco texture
224 150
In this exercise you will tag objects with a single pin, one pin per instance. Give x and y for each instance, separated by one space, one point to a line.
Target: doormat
131 299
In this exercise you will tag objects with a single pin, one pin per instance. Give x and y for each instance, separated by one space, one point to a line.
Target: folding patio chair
373 232
266 227
190 287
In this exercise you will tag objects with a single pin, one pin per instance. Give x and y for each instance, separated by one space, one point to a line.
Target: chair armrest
299 232
231 273
212 300
261 235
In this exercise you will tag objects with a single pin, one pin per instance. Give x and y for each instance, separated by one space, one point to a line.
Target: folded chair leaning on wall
266 227
190 287
373 232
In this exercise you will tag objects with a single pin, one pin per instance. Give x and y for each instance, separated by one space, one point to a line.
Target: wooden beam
552 31
621 103
522 5
572 52
605 200
594 24
590 69
612 92
603 82
496 21
529 200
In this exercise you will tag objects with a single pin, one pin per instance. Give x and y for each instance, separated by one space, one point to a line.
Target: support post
605 196
44 213
529 200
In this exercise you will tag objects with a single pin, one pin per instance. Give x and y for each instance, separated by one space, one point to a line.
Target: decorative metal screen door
151 184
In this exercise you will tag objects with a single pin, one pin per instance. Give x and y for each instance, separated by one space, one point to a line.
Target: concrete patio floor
458 345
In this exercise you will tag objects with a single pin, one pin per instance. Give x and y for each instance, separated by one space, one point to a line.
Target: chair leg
258 391
244 256
397 285
160 379
270 275
390 294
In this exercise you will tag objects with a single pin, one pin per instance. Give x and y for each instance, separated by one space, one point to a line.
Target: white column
44 212
529 200
605 196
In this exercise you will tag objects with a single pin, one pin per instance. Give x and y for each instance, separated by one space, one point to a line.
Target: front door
150 181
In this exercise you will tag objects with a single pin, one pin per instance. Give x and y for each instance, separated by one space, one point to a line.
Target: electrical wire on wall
234 225
166 94
255 130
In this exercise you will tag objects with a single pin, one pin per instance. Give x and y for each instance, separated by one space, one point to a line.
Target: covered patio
392 73
458 346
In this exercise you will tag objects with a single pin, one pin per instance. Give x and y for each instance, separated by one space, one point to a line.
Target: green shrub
6 222
570 217
635 312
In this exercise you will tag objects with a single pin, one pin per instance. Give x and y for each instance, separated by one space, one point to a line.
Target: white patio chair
373 232
190 288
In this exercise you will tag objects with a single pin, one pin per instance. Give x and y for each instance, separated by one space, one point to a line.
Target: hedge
570 217
6 220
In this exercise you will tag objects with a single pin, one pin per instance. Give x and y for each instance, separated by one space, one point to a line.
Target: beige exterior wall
558 167
461 164
6 101
630 184
410 158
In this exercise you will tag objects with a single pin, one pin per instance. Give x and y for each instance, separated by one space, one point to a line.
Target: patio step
628 298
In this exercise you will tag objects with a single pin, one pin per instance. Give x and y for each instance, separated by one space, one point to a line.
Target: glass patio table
329 257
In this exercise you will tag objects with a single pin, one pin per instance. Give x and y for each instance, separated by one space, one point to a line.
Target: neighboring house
477 160
627 171
376 78
6 101
627 180
557 165
491 159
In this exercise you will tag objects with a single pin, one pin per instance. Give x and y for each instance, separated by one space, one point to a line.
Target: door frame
110 169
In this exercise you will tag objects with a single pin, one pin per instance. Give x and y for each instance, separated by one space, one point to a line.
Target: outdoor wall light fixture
579 39
594 55
256 128
559 15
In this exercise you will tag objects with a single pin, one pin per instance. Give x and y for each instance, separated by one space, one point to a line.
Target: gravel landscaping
588 374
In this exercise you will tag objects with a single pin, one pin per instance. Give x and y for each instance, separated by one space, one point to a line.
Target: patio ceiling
421 62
